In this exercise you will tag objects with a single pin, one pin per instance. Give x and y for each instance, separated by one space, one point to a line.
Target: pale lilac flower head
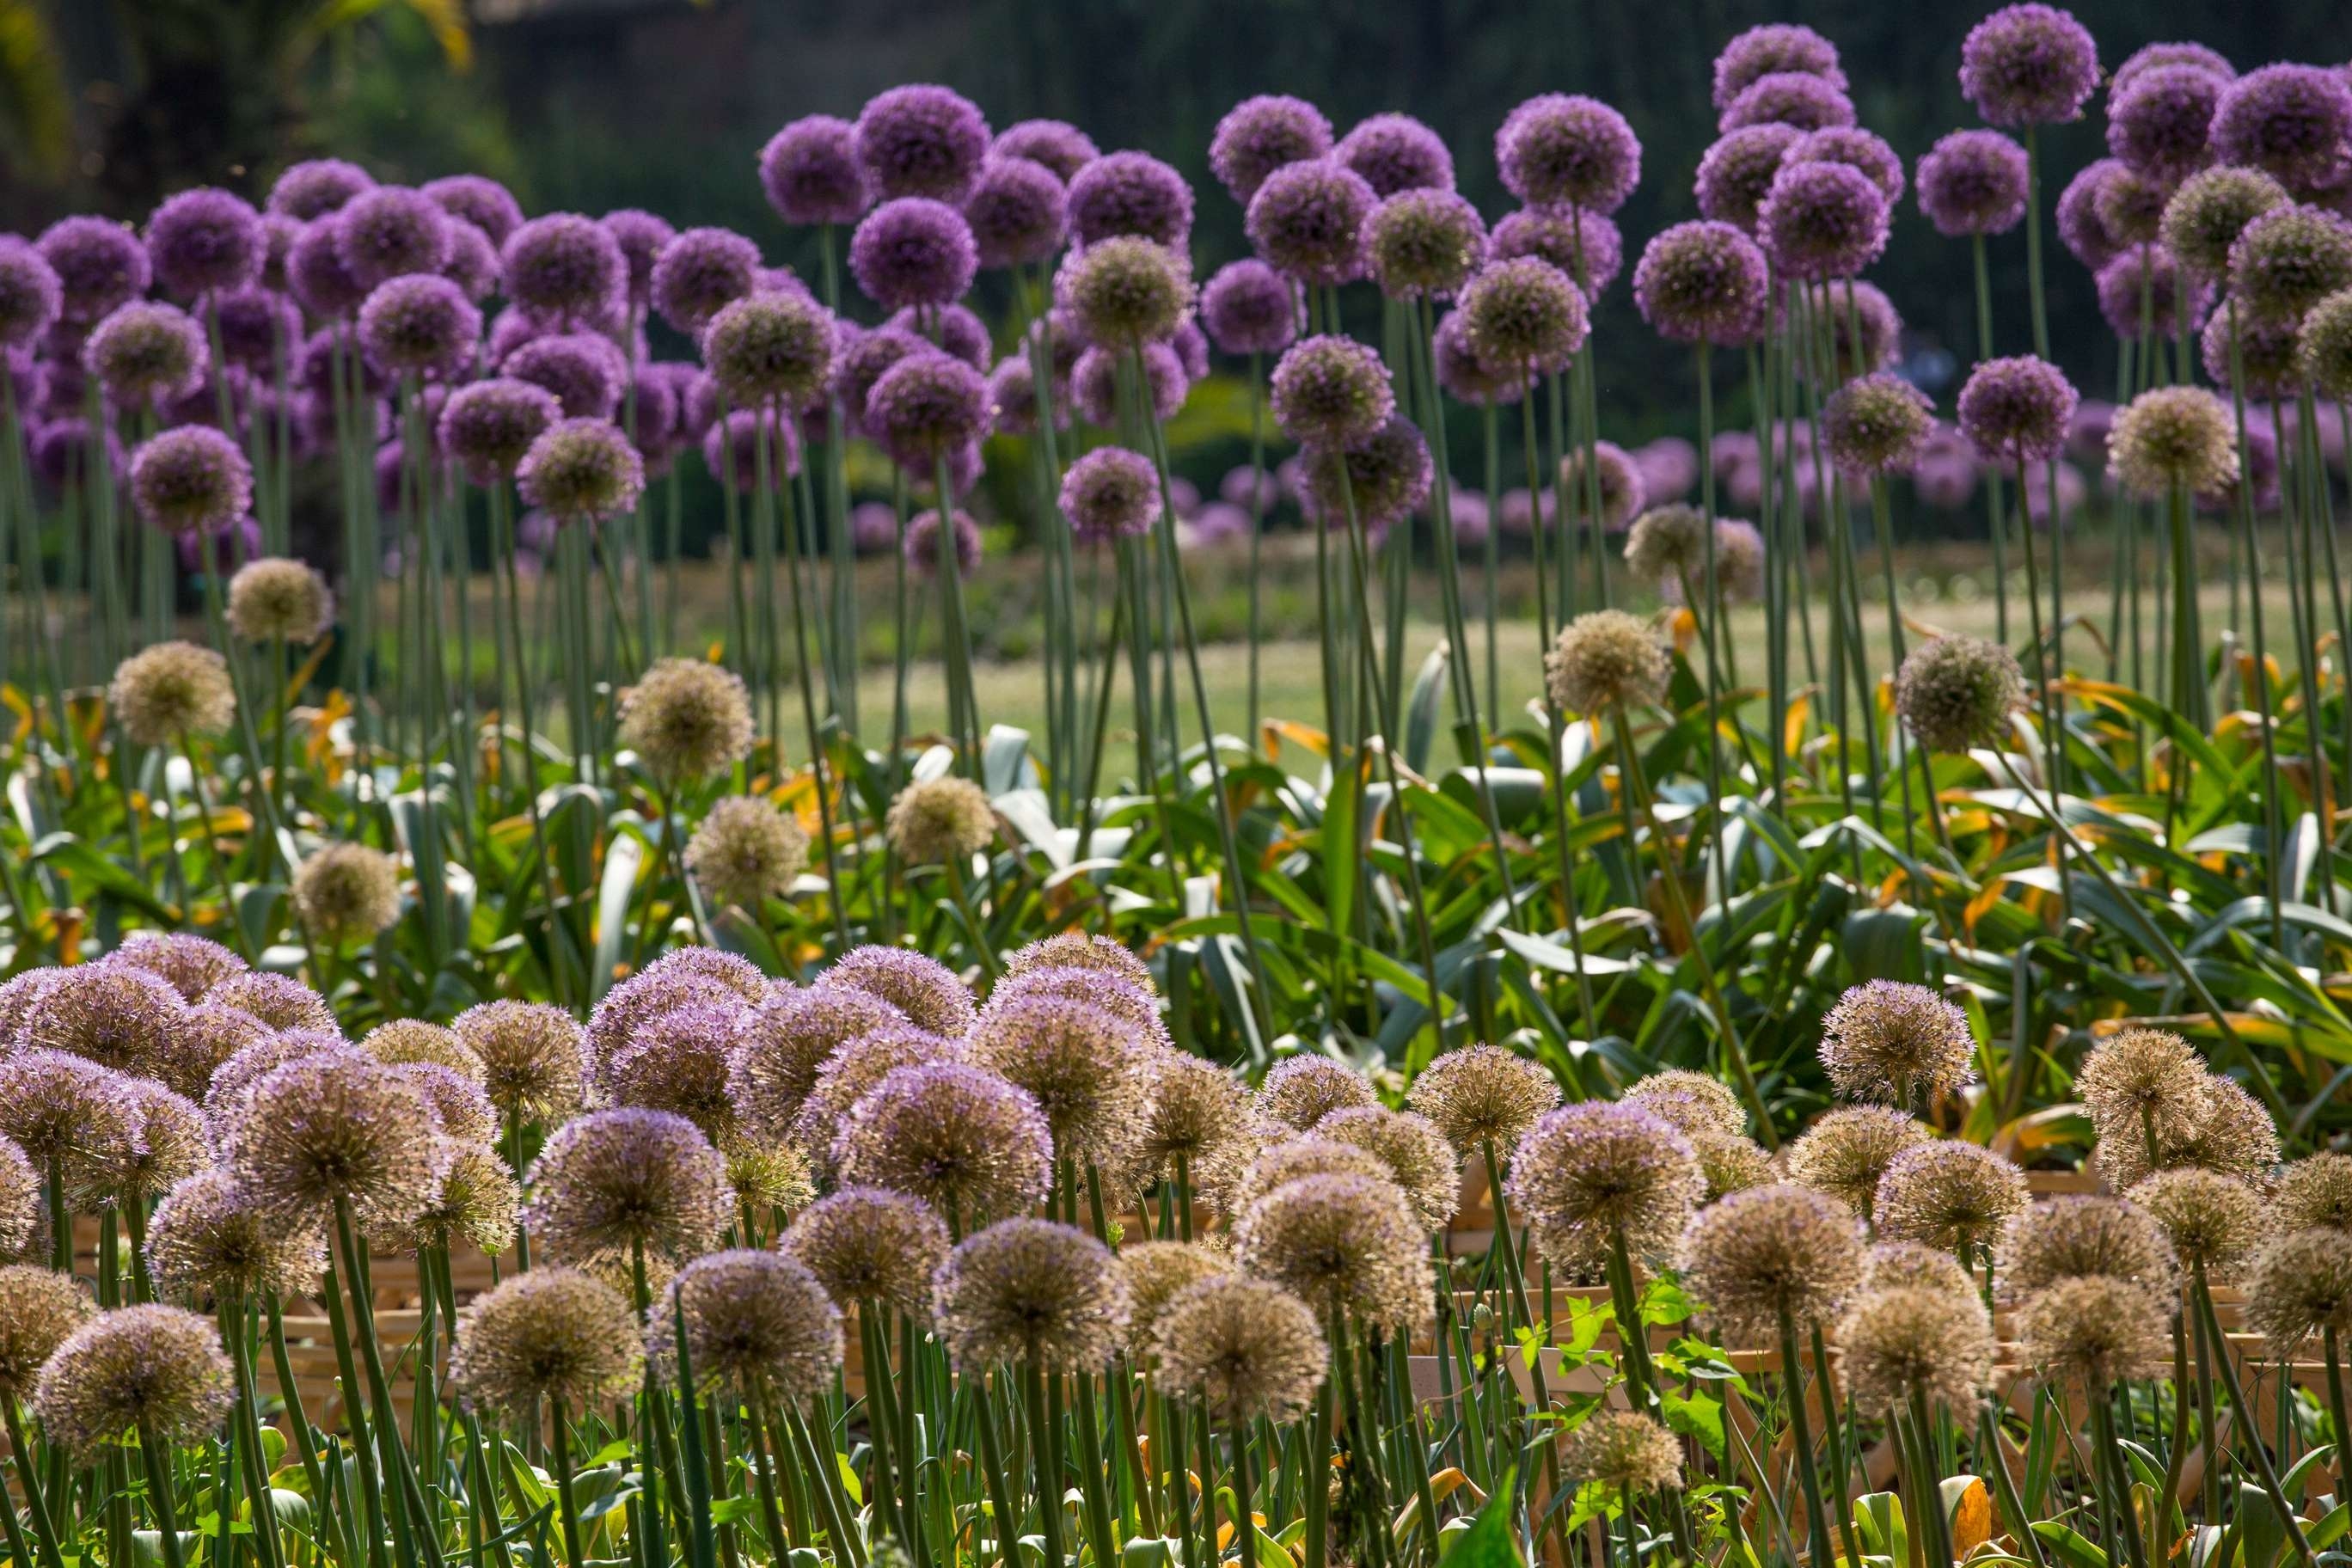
955 330
2149 57
147 352
1702 282
921 140
2159 127
1130 193
487 425
1094 382
1259 135
391 231
582 471
191 480
1384 477
2262 363
1396 152
2029 65
2143 276
925 407
1587 247
1060 147
1250 309
923 546
1306 221
584 369
1018 212
2017 410
1423 243
2080 228
698 273
1862 150
1617 480
1821 221
613 1181
1735 171
860 362
810 172
30 296
1567 149
2292 121
1774 48
101 267
564 267
316 275
1794 99
642 237
473 263
1111 493
958 1137
480 201
204 240
422 325
318 187
913 250
1973 182
1012 392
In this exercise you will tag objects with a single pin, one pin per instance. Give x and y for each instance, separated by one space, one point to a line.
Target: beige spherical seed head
746 851
1342 1244
2214 1221
765 1176
207 1237
1667 546
1909 1266
1413 1152
2075 1235
1241 1348
757 1323
1692 1103
1589 1172
1031 1292
2316 1192
274 598
2136 1080
1758 1253
1195 1106
157 1371
533 1057
2096 1331
1846 1151
2300 1284
1948 1194
1957 691
1482 1095
688 720
2233 1135
1302 1090
939 820
1733 1163
39 1311
864 1243
477 1206
402 1041
2173 436
1892 1042
551 1333
172 691
1629 1454
1605 660
1895 1342
1156 1273
347 891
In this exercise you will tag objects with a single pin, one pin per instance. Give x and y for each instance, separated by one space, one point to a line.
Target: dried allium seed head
2138 1079
2069 1236
337 1127
687 719
1031 1292
2300 1284
2214 1221
1846 1151
194 965
1195 1106
1957 691
958 1137
1911 1266
347 890
71 1117
39 1311
941 820
1292 1158
1691 1103
274 600
1899 1343
611 1182
208 1239
157 1371
1156 1273
2316 1192
20 1200
924 989
1757 1254
1243 1348
1625 1452
1590 1172
2173 436
1948 1194
170 693
1413 1154
278 1001
476 1203
1483 1095
851 1072
1344 1243
1302 1090
1605 660
402 1041
169 1146
1733 1162
2096 1331
1888 1041
123 1018
867 1243
746 851
1086 1068
765 1176
1078 950
548 1334
755 1322
784 1047
533 1056
2233 1135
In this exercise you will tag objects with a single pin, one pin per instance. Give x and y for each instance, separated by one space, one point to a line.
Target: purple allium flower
192 480
1017 210
1794 99
732 451
423 325
101 267
584 369
642 237
2289 258
958 1137
1702 282
30 296
1973 182
1524 312
204 240
926 406
1859 148
1216 523
1876 423
2211 209
1619 481
923 546
582 471
925 990
2129 208
1111 493
2158 128
2150 56
859 364
1423 242
2080 228
1250 309
1130 193
390 231
1124 291
1821 221
1669 468
1331 392
2143 276
913 250
479 200
487 426
770 349
2268 361
317 276
1061 148
1012 392
1564 149
698 273
1735 171
1384 477
2292 121
317 186
809 171
2260 468
921 140
613 1181
1306 221
1587 247
1881 334
278 233
2017 410
2029 65
62 452
147 353
564 267
473 264
1773 49
956 329
1396 152
1259 135
1094 382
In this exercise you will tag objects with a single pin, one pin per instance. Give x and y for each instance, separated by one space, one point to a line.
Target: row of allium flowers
747 1269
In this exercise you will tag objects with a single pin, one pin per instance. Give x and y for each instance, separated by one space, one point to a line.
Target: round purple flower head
859 363
202 241
2293 122
2017 410
1735 171
922 542
1384 477
421 325
581 470
1111 493
317 186
1973 182
1306 220
2159 127
2289 258
1331 391
1423 242
1821 221
1775 48
1702 283
1876 423
2143 276
641 236
1587 247
2149 57
921 140
473 263
1793 99
1130 193
701 272
1061 148
1524 312
1397 153
731 450
191 480
1565 148
1468 378
2265 361
2029 65
1881 334
810 172
1018 212
1012 392
584 369
317 276
564 267
1855 148
926 406
29 295
956 329
479 200
1250 309
913 250
488 425
63 453
147 353
1259 135
1094 382
390 231
101 267
2080 228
